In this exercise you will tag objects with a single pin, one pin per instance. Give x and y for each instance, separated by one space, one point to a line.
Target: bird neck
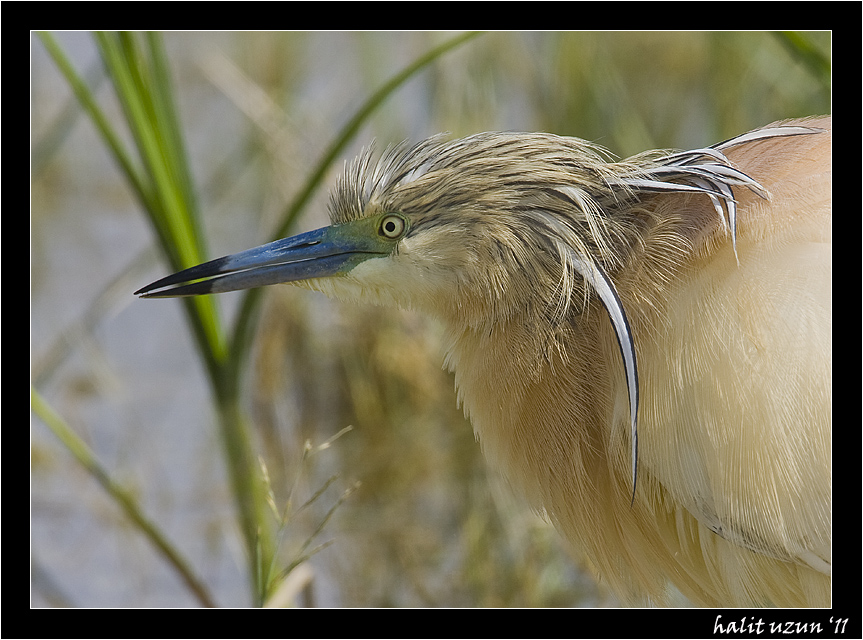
533 403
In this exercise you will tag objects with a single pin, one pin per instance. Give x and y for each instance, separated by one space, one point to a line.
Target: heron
643 347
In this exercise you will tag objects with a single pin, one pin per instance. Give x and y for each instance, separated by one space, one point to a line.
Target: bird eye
392 226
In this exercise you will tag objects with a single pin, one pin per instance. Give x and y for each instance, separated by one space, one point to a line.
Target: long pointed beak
323 252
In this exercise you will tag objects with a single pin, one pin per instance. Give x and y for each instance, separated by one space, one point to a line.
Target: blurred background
399 510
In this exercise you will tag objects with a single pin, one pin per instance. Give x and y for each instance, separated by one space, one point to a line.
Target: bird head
478 230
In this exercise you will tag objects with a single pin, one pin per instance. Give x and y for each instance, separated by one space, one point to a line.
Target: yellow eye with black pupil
392 226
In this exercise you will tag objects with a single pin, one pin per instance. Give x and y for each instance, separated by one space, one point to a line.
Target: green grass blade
144 91
121 497
166 110
88 102
137 94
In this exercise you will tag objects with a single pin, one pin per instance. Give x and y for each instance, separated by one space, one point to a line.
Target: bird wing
742 378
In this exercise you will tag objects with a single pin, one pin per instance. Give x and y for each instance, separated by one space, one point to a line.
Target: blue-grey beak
323 252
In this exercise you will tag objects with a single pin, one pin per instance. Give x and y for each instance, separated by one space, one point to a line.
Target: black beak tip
194 289
177 284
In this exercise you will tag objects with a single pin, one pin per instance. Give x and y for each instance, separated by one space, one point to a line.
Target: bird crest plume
565 191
